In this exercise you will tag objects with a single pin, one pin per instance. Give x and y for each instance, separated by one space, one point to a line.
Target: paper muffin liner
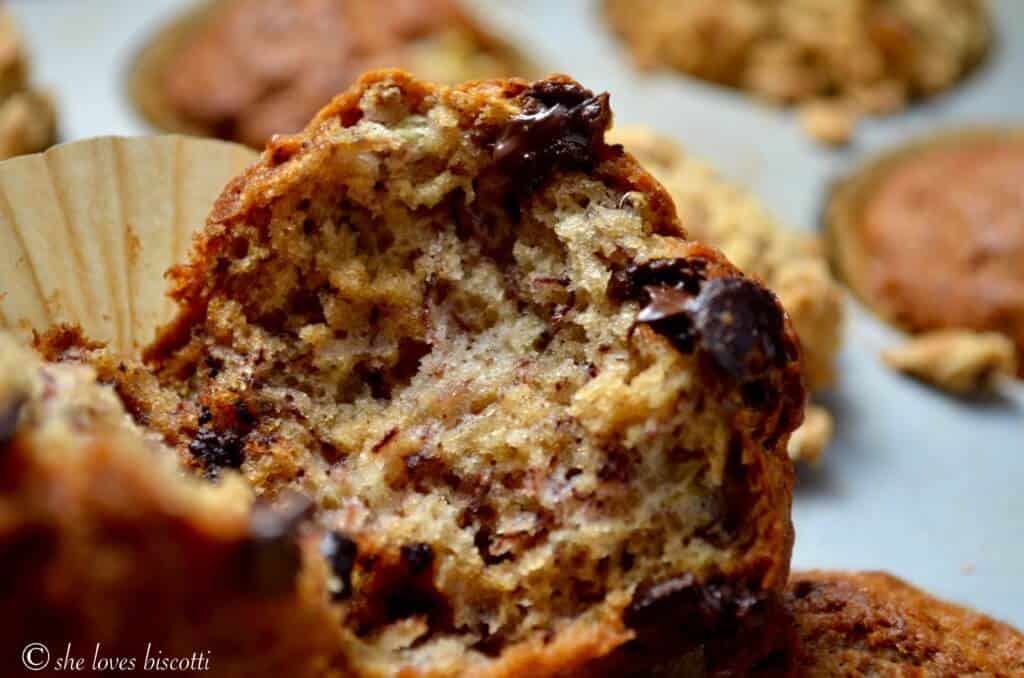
88 229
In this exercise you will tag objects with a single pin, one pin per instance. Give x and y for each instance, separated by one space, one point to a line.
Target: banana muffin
793 265
840 59
99 523
931 237
244 70
28 122
543 431
874 624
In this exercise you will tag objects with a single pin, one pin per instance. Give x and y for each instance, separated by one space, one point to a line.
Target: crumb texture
791 264
525 411
874 624
958 361
99 522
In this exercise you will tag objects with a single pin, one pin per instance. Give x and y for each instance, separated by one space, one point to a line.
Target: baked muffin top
874 624
246 69
932 237
843 59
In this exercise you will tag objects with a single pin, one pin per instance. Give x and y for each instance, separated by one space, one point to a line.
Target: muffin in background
244 70
931 238
875 624
792 264
839 60
28 122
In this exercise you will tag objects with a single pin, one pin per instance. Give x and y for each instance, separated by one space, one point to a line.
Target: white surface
921 484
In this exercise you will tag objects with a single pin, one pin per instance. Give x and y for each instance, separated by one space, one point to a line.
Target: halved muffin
539 429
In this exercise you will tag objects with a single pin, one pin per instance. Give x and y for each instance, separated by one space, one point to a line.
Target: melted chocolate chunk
668 313
10 411
340 552
741 326
716 616
631 284
270 555
734 320
418 557
562 126
217 449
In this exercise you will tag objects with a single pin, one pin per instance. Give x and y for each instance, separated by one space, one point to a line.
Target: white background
924 485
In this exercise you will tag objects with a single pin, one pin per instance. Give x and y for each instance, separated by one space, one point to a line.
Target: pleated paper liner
87 230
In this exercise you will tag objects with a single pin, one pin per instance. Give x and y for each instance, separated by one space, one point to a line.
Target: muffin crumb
958 361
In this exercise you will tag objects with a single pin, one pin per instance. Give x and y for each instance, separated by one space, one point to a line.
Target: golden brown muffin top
934 238
260 67
872 623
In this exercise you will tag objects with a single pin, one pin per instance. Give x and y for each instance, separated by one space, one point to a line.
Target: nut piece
958 361
829 122
808 442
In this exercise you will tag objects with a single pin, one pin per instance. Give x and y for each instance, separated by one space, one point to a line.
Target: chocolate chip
340 552
204 416
217 449
562 125
802 589
701 607
270 555
682 274
668 314
244 415
10 412
741 325
417 557
482 540
738 323
616 468
720 624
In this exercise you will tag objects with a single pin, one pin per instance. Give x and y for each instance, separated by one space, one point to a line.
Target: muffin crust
874 624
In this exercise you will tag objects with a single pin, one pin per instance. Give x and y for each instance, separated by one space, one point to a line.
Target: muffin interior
521 402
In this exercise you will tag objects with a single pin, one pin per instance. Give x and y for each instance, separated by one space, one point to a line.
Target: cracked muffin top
244 70
539 428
